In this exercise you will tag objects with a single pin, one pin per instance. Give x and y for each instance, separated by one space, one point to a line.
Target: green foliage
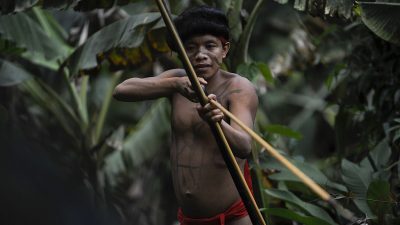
324 8
127 33
11 74
333 110
383 19
293 215
282 130
308 208
379 198
38 43
143 142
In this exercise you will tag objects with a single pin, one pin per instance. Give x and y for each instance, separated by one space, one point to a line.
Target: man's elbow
121 93
117 94
246 149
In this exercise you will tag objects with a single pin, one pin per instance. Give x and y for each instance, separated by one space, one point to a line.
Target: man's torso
202 182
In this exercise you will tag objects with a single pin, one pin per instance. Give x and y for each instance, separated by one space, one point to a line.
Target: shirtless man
203 185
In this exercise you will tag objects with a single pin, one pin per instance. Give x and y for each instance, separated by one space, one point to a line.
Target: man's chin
202 74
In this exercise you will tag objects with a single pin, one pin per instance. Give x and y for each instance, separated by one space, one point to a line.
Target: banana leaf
307 168
309 208
332 8
382 18
143 143
11 74
12 6
8 6
126 33
28 34
358 178
295 216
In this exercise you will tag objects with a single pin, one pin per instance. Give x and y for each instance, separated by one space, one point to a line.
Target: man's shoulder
237 80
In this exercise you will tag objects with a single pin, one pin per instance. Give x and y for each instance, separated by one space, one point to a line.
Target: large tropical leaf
309 208
8 6
383 18
379 157
292 215
310 170
28 34
143 143
233 11
379 198
46 98
357 179
11 74
331 8
240 51
126 33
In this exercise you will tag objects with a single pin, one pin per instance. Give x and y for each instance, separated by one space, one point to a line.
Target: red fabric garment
236 211
247 176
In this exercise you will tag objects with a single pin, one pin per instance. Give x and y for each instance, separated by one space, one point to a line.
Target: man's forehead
202 38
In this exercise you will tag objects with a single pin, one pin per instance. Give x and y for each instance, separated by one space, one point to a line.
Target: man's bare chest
185 118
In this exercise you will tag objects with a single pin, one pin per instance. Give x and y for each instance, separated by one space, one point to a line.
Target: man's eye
189 48
210 46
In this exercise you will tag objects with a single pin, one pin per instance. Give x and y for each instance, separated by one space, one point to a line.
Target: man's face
206 53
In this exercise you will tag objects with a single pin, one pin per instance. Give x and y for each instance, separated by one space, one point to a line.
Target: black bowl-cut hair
199 20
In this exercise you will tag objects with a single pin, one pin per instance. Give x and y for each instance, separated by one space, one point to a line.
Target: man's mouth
200 66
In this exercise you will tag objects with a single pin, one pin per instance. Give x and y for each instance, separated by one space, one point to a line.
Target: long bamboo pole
303 177
229 158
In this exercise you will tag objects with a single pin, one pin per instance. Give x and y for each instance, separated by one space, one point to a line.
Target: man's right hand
184 87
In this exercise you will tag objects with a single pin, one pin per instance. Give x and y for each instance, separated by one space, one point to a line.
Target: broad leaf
233 10
266 72
379 198
311 209
8 6
323 8
126 33
26 33
48 99
307 168
60 4
383 18
250 70
380 156
357 179
283 130
255 69
143 143
240 51
11 74
292 215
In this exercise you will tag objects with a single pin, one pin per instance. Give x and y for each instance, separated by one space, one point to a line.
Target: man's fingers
202 81
212 113
212 97
217 118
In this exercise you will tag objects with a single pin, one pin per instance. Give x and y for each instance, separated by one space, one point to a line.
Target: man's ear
226 48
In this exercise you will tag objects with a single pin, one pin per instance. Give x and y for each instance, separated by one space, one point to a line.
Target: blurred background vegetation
327 74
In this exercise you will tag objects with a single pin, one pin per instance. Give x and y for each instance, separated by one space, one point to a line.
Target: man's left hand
209 112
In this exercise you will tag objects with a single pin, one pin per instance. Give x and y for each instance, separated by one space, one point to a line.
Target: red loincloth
236 211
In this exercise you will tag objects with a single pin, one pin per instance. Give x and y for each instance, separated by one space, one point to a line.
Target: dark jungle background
327 74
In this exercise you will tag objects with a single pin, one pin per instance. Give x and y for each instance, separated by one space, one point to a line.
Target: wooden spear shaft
306 180
229 158
303 177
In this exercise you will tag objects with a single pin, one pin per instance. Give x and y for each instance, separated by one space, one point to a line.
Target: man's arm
243 105
163 85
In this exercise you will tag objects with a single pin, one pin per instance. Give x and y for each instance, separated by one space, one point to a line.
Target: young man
203 185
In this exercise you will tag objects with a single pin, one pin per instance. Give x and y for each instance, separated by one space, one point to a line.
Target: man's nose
201 55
